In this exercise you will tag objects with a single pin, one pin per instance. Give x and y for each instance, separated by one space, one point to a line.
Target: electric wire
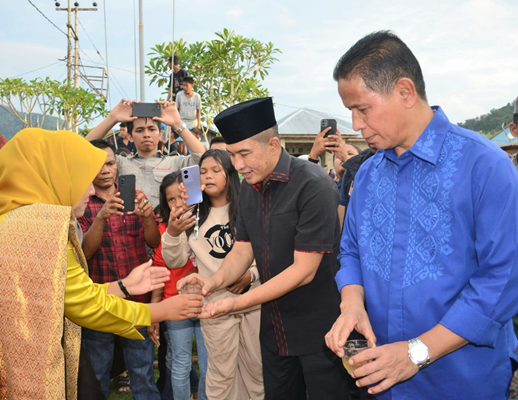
55 26
37 69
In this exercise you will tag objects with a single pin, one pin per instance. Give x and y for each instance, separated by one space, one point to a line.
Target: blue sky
467 48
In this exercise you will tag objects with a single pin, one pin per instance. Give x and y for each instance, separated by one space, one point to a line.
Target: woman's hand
180 220
182 306
145 278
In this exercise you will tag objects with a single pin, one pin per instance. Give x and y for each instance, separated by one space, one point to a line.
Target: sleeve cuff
348 276
470 324
314 247
171 240
242 238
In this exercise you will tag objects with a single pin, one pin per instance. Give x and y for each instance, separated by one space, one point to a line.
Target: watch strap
180 128
123 288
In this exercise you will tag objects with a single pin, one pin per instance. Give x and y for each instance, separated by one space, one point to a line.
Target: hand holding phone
148 110
127 190
192 183
326 123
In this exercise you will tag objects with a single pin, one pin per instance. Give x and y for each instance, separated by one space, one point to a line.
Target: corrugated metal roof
503 137
305 120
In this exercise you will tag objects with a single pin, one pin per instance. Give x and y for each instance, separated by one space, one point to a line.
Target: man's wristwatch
418 353
180 129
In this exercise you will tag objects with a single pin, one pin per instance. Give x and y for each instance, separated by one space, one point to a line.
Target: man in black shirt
176 78
287 219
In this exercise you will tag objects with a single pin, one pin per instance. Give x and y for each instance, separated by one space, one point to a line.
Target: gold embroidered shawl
38 347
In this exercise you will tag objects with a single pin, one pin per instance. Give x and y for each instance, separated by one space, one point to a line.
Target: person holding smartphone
114 243
150 165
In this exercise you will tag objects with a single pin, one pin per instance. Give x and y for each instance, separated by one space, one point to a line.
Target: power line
98 52
46 18
34 70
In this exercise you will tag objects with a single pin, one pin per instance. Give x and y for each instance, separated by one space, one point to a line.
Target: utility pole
141 48
76 45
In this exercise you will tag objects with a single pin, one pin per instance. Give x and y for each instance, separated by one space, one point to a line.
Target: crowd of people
410 244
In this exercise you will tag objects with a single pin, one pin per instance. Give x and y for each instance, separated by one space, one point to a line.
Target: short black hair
217 139
380 59
103 144
176 60
188 79
515 118
123 125
129 124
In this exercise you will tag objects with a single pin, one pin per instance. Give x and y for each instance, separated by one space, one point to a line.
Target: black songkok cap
245 120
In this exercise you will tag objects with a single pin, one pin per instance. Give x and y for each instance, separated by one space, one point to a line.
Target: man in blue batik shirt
429 247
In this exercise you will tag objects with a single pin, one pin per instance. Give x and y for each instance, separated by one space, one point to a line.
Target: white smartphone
192 183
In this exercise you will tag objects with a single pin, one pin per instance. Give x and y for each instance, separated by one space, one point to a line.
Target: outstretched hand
207 284
219 308
145 278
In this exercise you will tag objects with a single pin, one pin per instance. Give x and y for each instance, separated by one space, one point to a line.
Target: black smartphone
192 183
127 191
326 123
146 109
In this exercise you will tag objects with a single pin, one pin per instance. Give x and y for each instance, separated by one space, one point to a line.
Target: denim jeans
138 354
180 339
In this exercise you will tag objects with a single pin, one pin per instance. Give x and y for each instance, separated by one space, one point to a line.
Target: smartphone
192 183
146 109
127 191
326 123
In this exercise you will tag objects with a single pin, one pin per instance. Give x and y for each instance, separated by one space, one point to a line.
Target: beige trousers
234 370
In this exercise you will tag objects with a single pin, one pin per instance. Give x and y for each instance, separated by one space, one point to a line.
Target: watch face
419 352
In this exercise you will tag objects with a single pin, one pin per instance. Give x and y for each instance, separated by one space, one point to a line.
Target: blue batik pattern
377 229
431 214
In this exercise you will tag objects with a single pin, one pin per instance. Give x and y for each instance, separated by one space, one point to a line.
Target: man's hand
319 145
352 317
170 115
219 308
146 278
123 111
207 284
153 332
389 365
112 206
335 144
143 207
241 283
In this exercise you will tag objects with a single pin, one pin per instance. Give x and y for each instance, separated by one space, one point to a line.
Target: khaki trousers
234 370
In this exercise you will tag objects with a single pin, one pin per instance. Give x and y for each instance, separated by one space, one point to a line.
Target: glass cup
191 288
351 348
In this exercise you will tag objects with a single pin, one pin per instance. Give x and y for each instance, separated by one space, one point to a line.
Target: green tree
76 106
226 70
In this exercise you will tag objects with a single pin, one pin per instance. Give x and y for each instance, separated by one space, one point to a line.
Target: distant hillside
491 123
10 125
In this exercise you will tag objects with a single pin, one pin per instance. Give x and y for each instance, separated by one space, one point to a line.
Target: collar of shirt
428 146
101 198
157 154
281 172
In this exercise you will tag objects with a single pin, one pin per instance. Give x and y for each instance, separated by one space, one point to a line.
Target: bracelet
252 277
313 160
123 288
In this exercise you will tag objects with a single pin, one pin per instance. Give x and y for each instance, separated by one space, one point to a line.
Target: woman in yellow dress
45 292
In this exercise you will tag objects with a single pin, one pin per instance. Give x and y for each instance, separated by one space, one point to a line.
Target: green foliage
226 70
23 99
491 123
